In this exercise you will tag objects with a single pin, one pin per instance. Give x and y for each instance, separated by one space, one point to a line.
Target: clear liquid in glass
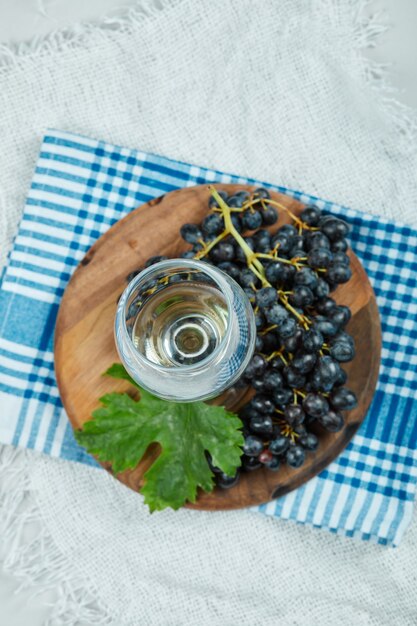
182 324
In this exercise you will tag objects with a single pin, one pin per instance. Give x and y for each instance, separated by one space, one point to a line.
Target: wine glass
184 330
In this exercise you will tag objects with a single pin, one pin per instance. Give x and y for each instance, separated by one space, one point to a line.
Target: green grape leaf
121 430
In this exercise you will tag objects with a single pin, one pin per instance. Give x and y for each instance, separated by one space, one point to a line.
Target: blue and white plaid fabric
79 189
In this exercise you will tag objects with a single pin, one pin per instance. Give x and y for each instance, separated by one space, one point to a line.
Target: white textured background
22 20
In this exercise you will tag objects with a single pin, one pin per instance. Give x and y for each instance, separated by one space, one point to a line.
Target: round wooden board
84 344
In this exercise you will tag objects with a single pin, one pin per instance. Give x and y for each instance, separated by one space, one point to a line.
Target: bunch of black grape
301 342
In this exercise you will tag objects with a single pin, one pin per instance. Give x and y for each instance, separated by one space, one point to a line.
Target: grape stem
279 354
296 219
253 269
300 393
300 318
268 329
261 255
209 246
287 431
253 261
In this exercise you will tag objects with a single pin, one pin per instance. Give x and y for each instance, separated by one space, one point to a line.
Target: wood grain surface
85 348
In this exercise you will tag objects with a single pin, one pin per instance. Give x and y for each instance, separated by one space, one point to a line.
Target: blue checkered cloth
80 188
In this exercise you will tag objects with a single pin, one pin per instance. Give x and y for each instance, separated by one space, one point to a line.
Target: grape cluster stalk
301 341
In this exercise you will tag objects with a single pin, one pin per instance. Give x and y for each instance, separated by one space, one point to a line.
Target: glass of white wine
184 330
